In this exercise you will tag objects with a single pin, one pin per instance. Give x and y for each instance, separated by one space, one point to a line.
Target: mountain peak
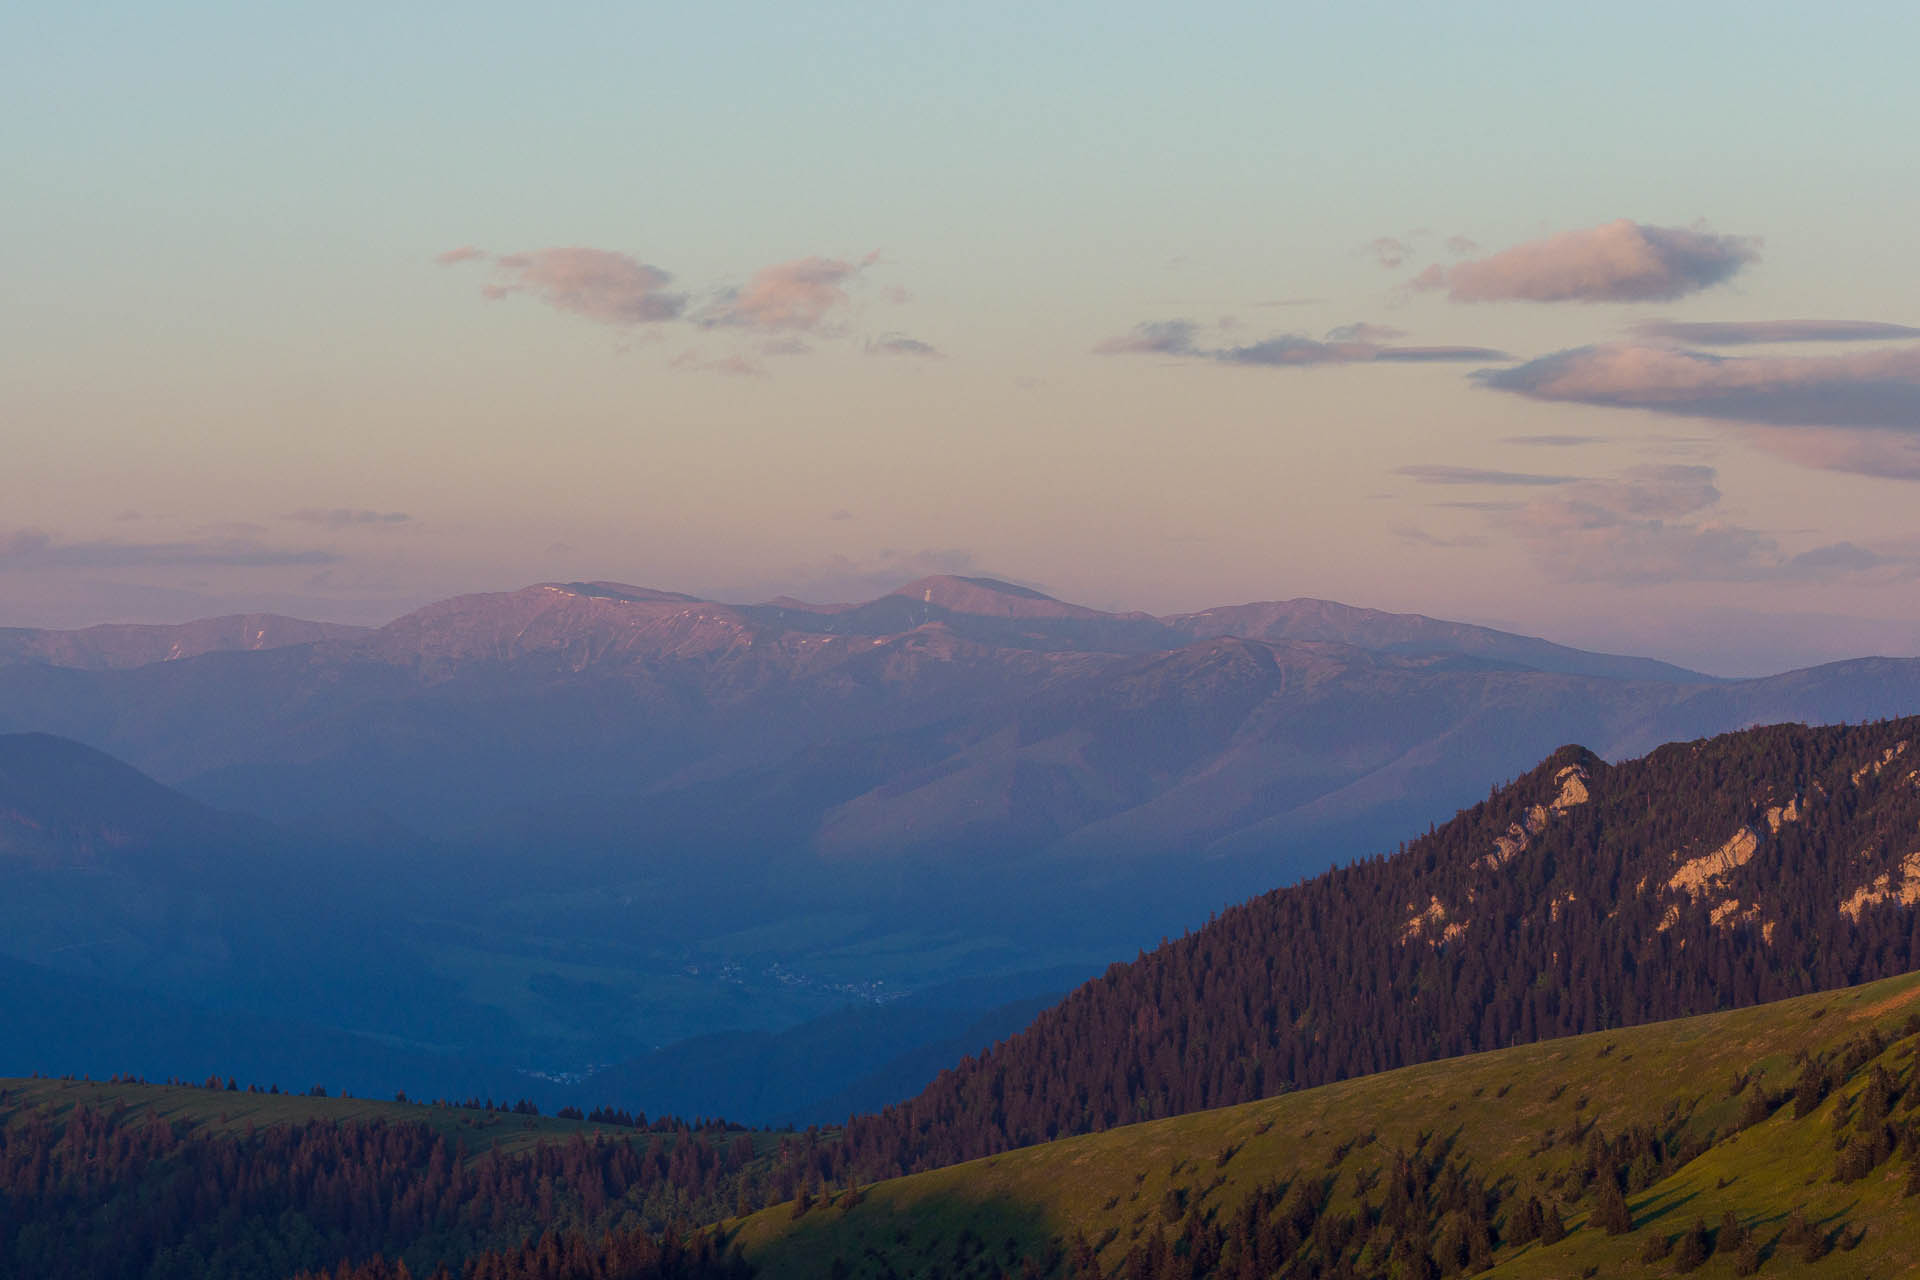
620 591
990 597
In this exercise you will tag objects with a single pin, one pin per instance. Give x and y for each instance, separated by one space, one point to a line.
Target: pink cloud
1740 333
790 296
465 253
1870 389
1621 261
599 284
1858 450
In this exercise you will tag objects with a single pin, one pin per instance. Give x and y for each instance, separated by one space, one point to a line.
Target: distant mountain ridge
114 645
953 713
603 620
1330 622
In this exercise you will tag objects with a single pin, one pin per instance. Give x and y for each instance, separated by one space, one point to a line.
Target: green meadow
1520 1119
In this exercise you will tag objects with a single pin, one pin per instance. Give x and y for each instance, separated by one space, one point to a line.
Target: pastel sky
1599 325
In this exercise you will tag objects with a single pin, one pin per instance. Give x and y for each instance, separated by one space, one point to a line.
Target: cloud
1178 338
1621 261
1856 450
348 517
1412 533
1740 333
1655 492
1846 557
733 366
1156 337
1437 474
779 304
29 549
1858 412
1653 524
1289 350
1389 251
1552 441
1461 246
599 284
1361 331
899 344
792 296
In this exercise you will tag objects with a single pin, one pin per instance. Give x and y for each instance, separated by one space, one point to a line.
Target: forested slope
1707 875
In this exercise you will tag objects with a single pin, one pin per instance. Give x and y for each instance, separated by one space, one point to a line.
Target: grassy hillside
1696 1118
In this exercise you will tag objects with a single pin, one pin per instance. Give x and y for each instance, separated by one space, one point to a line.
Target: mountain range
952 714
552 830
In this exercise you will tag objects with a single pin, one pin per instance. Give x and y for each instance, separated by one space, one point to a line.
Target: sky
1598 323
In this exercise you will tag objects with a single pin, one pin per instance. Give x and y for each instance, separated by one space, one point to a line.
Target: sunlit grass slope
1694 1119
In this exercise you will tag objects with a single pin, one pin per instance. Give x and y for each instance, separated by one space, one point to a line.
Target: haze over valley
587 828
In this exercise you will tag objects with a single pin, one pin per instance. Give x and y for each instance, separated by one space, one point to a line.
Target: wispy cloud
899 344
778 304
348 517
1439 474
731 366
1391 252
1622 261
36 549
1156 337
1361 331
1181 338
1552 441
1293 351
1655 524
1741 333
1415 534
